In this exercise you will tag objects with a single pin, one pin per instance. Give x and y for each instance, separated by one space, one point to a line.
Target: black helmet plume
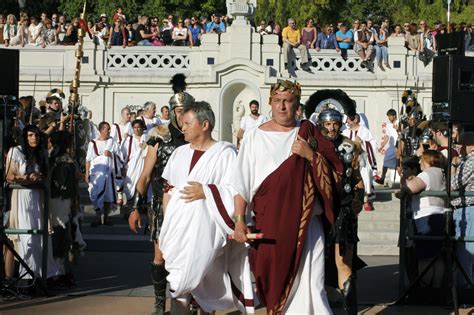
178 82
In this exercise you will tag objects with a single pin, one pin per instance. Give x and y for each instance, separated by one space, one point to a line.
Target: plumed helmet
330 114
55 94
180 97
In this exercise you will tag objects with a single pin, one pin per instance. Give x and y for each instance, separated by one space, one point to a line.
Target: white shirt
125 130
248 122
434 180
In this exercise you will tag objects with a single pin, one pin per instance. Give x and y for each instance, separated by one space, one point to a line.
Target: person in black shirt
143 33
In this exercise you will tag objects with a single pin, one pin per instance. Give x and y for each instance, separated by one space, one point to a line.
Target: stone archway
234 99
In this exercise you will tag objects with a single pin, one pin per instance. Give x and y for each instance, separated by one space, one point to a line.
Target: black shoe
364 63
350 295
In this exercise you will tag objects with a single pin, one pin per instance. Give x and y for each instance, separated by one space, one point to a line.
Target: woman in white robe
26 165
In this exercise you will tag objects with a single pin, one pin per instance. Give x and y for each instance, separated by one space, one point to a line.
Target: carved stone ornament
241 9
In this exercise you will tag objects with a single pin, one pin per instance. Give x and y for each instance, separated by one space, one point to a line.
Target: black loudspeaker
10 61
453 87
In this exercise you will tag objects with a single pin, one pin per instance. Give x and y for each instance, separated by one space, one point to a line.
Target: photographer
463 181
428 213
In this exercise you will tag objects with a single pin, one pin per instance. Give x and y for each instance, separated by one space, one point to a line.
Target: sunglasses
406 25
422 23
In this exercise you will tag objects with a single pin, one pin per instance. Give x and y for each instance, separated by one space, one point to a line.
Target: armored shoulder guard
159 134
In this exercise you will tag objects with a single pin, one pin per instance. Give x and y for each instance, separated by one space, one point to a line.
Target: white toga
199 258
260 154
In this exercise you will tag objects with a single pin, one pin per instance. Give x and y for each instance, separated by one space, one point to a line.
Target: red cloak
283 206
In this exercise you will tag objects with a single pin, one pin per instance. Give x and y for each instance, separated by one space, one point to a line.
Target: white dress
260 154
27 213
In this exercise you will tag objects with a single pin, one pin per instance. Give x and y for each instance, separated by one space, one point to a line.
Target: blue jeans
144 42
381 52
464 227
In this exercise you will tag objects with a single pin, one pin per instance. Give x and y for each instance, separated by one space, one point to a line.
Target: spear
74 87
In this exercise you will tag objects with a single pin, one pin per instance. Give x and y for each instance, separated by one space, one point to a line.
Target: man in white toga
286 174
198 205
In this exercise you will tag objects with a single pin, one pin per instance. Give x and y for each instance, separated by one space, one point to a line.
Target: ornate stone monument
241 11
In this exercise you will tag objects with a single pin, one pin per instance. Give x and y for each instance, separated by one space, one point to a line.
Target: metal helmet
330 114
180 99
426 136
327 115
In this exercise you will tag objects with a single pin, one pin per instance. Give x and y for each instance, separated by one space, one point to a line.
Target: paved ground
113 278
118 283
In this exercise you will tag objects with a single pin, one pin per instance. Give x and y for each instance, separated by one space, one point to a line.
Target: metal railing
406 235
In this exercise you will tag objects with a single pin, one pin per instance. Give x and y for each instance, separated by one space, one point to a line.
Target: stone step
378 236
374 216
379 226
377 248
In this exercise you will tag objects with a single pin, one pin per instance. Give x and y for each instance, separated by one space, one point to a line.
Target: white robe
27 213
150 123
369 146
120 134
101 180
390 155
260 154
134 160
199 258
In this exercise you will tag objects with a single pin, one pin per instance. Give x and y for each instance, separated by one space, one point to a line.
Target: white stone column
397 56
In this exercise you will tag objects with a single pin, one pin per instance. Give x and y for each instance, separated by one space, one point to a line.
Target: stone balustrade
139 58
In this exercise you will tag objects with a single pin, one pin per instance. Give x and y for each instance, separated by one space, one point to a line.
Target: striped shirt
464 181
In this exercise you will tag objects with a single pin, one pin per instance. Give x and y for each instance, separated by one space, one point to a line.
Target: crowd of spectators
118 31
367 38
